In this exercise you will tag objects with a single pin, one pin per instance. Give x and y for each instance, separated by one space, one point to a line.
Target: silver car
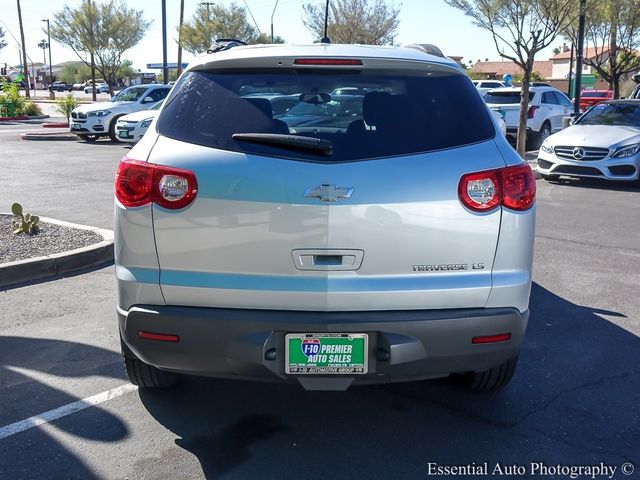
331 244
603 143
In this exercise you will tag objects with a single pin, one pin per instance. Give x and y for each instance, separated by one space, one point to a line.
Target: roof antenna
326 39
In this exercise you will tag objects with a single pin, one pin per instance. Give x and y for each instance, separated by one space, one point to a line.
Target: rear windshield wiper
290 141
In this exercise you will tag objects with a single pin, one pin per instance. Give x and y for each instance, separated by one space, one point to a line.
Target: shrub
11 95
32 109
66 104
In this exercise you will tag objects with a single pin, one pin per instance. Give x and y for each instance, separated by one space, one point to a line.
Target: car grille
75 115
574 170
587 153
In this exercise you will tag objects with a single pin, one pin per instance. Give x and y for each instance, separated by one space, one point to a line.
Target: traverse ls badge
328 193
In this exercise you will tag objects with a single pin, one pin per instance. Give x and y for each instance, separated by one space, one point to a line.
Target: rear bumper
249 344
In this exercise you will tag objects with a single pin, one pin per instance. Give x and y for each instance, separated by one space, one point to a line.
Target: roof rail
223 44
427 48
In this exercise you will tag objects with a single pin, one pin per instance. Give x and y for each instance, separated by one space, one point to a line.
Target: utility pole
179 68
570 70
52 94
165 69
576 104
25 70
208 4
272 14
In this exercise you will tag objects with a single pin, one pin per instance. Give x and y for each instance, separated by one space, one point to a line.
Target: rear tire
492 379
145 375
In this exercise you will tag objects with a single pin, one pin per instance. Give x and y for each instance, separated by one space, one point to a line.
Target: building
495 70
562 61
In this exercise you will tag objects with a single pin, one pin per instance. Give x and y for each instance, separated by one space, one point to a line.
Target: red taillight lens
139 183
133 182
518 187
327 61
158 337
512 187
501 337
531 112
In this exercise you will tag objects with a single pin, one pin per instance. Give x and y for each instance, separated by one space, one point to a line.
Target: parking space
573 400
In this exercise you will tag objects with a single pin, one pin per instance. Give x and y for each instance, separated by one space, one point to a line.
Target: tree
210 23
25 70
74 73
613 31
520 29
105 30
3 43
369 22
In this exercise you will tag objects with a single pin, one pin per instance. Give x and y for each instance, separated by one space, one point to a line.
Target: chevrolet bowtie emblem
328 193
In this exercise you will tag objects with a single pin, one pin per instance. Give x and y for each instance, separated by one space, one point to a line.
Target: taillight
139 183
327 61
512 187
531 112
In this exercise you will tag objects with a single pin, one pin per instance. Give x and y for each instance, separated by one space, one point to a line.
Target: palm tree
25 70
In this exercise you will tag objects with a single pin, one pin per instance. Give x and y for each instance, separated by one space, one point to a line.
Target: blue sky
421 21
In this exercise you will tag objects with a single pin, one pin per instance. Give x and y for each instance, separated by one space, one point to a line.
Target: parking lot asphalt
573 401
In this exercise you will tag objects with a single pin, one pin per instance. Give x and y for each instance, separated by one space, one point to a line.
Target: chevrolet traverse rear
323 215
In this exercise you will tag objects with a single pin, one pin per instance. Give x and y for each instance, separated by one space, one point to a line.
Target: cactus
25 223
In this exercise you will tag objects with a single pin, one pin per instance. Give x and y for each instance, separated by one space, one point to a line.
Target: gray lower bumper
249 344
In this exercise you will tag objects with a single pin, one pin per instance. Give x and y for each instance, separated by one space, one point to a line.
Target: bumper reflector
502 337
159 337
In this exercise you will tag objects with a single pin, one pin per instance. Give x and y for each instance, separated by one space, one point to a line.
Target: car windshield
627 114
503 98
325 116
131 94
594 94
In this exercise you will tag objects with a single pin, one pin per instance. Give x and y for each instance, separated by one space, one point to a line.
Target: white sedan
603 143
131 128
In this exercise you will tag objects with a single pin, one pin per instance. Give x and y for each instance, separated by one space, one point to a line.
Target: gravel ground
51 239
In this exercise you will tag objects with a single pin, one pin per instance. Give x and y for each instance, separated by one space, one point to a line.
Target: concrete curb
56 125
51 136
49 266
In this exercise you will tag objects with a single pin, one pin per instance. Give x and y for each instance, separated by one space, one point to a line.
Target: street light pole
50 66
576 105
272 14
165 69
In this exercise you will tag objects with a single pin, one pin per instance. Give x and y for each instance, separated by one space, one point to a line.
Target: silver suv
319 215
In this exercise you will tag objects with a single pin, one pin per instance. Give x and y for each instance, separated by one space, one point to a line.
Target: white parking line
65 410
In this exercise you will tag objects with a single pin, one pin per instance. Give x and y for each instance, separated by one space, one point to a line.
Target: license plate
326 353
76 126
123 134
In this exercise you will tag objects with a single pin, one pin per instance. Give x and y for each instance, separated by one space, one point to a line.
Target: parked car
131 128
589 98
604 142
89 122
100 88
501 124
60 87
86 83
395 247
547 107
483 86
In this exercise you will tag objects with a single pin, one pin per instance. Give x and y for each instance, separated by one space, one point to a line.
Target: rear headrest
262 104
375 107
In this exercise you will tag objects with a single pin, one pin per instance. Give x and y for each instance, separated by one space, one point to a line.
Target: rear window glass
594 94
366 114
504 98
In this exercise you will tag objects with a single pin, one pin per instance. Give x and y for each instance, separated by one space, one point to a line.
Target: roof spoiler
223 44
427 48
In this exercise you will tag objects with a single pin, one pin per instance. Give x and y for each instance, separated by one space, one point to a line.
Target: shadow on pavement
22 395
573 401
597 184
